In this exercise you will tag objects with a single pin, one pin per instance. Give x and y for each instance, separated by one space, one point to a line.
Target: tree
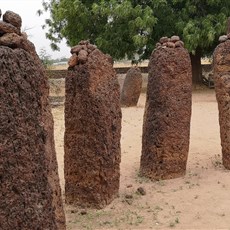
200 23
116 27
131 28
45 58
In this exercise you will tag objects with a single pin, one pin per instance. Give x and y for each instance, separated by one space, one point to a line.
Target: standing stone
92 132
30 196
132 87
166 128
221 62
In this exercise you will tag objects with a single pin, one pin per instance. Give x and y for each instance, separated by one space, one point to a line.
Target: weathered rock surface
221 60
132 87
166 128
30 196
92 133
8 28
11 36
12 18
11 40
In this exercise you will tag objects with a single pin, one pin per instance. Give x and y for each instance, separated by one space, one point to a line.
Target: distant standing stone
221 61
131 89
166 128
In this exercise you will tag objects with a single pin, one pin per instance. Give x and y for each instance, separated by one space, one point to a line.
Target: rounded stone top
81 52
10 33
173 42
174 38
12 18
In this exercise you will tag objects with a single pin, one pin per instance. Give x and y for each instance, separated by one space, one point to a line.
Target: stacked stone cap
80 53
173 42
10 32
224 38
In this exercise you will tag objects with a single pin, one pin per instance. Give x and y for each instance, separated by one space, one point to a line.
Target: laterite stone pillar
166 127
92 129
30 193
221 61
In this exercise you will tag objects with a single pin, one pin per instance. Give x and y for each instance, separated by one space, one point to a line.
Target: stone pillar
166 127
132 87
92 129
221 61
30 196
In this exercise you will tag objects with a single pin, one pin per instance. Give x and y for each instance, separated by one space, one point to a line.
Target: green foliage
200 23
45 58
131 28
120 28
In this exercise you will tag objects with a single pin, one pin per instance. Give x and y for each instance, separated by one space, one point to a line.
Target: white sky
27 9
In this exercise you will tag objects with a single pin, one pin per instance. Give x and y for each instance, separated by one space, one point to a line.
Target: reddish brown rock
171 45
30 196
174 38
164 40
28 46
166 128
82 56
73 60
91 47
131 89
76 49
8 28
221 60
11 40
179 44
12 18
92 133
110 59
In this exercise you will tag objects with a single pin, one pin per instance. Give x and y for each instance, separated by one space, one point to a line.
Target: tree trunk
228 26
196 67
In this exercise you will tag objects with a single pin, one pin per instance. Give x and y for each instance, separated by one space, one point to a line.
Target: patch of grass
173 223
217 162
141 179
132 218
161 182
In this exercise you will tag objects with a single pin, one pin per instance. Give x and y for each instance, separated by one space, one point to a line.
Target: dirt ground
200 200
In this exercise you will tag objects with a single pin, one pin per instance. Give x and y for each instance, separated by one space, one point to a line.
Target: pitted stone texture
14 41
132 87
92 133
11 40
30 195
8 28
166 128
221 60
12 18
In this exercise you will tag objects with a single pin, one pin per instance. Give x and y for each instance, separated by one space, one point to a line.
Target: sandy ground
200 200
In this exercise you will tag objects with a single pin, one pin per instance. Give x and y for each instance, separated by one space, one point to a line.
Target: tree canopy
120 28
131 28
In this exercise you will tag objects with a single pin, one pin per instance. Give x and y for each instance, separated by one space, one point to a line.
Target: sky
27 9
